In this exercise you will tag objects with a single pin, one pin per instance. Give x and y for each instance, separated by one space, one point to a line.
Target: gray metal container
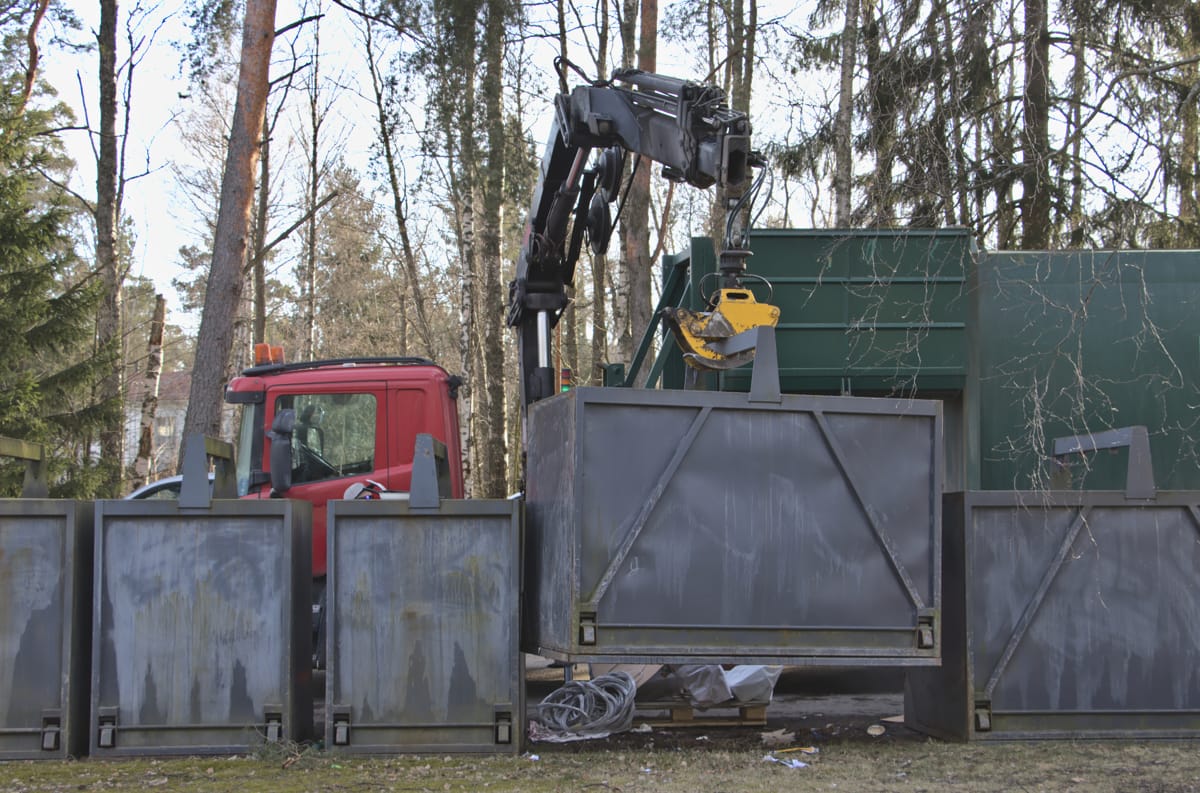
45 627
1067 615
690 525
423 617
201 627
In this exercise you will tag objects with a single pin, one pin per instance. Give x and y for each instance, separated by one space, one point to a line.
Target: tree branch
362 13
299 222
66 189
87 122
31 41
289 75
297 24
1112 86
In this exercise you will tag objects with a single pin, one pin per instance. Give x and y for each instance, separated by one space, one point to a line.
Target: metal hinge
983 716
504 727
106 719
587 628
341 726
51 730
274 720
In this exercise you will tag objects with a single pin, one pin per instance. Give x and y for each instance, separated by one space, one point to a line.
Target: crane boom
685 126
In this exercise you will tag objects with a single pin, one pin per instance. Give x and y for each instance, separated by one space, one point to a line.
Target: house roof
173 387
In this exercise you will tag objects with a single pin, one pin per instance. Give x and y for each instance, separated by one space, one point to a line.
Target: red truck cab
356 419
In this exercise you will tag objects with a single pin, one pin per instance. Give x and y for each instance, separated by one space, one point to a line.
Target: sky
162 218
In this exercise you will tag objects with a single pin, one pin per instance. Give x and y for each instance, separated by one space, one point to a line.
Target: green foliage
47 364
213 25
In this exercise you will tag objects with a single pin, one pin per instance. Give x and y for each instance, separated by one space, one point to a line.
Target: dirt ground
826 714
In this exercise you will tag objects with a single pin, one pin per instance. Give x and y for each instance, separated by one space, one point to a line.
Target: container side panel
419 646
550 559
1077 342
196 642
1119 628
32 618
938 700
779 527
424 627
193 620
708 526
1082 618
868 309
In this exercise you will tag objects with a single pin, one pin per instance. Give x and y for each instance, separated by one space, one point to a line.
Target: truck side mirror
281 451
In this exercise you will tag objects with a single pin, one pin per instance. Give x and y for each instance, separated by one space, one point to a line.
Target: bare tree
108 325
1035 141
635 222
491 470
396 186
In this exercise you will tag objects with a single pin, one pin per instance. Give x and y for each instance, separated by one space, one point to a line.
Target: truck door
339 438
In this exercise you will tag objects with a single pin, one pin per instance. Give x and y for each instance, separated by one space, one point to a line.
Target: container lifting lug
504 728
107 722
274 720
587 629
341 726
51 730
925 632
983 717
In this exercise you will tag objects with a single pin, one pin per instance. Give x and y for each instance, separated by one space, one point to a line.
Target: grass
632 763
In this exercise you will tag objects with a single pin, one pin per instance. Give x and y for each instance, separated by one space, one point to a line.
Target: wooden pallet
558 674
684 715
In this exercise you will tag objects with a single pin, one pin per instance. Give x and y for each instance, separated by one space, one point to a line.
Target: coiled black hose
602 705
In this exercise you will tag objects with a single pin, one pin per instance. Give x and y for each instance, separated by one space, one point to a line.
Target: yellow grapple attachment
697 332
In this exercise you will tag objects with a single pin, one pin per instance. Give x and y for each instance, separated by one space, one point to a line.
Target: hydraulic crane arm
684 126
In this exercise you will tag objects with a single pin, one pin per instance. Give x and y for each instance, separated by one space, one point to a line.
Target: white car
164 489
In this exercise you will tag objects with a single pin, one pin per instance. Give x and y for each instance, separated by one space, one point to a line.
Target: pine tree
48 368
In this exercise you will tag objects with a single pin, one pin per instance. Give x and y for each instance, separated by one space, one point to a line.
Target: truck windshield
334 435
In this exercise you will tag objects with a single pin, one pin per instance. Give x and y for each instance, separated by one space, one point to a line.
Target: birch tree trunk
154 358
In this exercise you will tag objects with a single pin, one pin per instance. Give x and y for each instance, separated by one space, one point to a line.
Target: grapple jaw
706 337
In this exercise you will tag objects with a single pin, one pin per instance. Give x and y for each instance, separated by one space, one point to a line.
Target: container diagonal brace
643 515
881 535
1035 603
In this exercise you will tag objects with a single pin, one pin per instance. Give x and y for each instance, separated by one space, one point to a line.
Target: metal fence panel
45 624
422 641
1076 614
202 626
670 525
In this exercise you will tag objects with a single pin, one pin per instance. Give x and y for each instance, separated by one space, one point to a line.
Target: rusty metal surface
422 641
45 623
1069 615
700 525
201 626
